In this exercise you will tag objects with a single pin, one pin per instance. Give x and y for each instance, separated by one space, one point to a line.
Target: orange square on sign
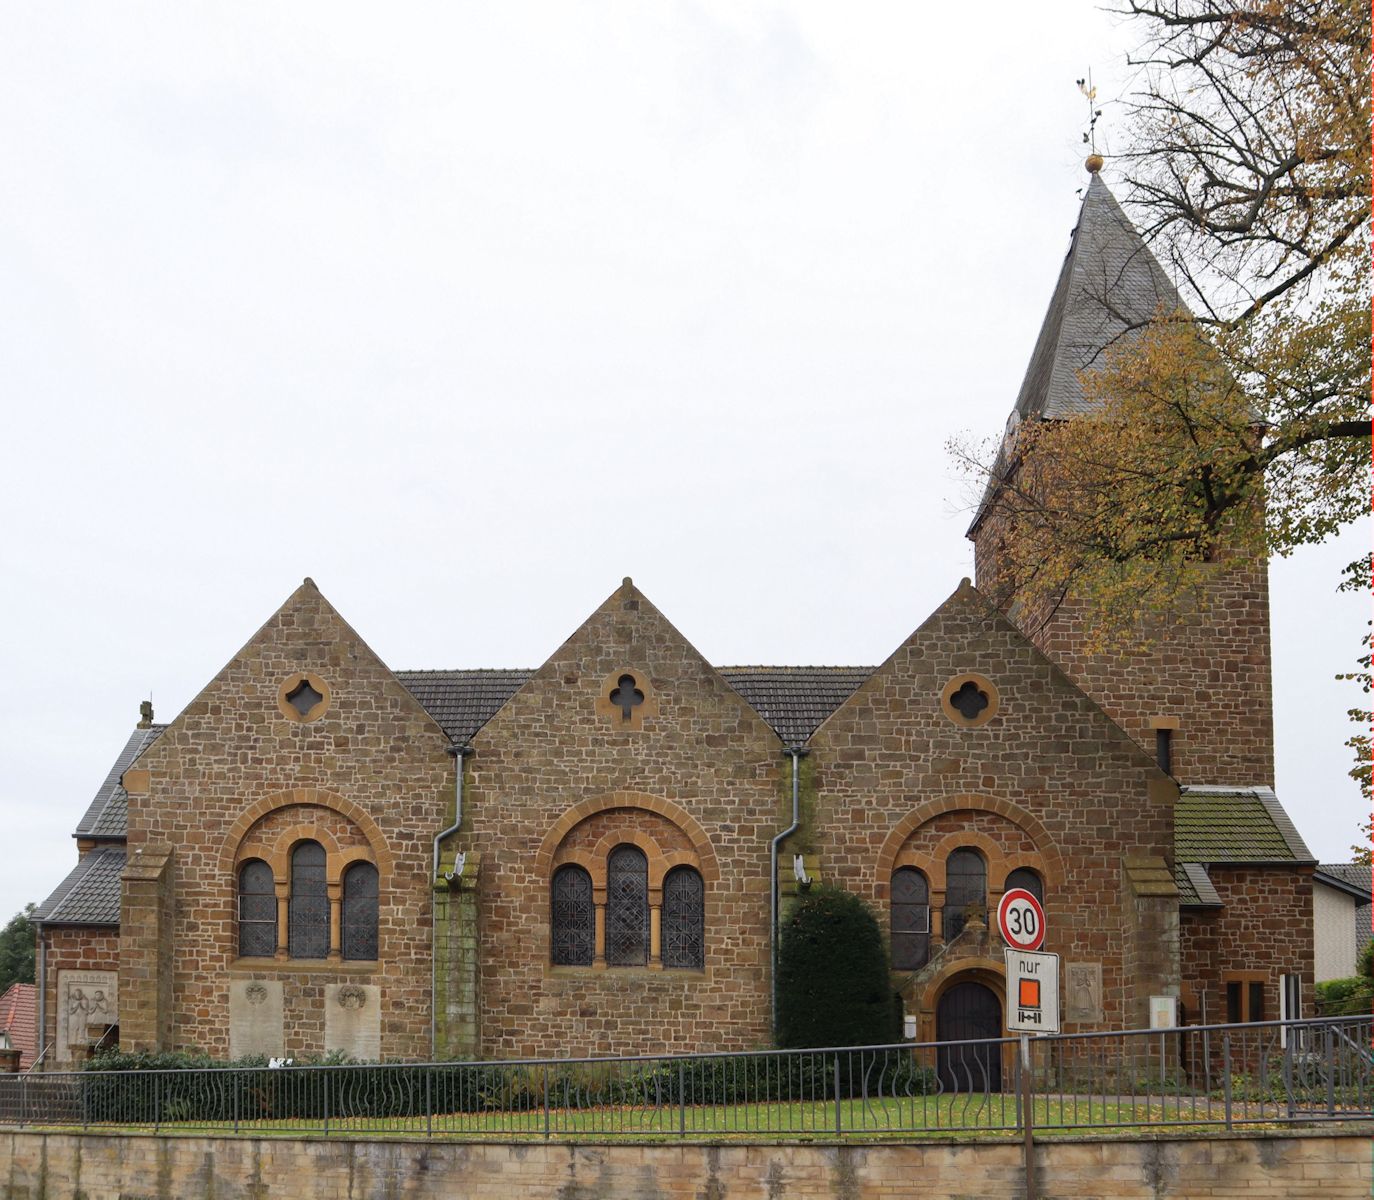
1028 993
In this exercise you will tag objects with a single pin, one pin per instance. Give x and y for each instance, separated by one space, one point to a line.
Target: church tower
1200 697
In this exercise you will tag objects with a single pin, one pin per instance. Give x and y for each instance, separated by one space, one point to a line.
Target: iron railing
1219 1076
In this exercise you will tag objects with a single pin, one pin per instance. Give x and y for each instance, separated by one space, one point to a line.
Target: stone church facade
321 853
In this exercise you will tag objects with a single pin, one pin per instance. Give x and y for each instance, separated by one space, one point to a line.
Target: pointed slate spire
1109 284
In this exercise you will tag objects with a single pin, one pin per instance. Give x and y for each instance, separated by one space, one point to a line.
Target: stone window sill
611 973
302 966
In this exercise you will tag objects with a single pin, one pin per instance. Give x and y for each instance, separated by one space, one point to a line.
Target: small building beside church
321 853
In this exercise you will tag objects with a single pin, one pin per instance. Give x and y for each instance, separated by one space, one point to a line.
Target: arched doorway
968 1011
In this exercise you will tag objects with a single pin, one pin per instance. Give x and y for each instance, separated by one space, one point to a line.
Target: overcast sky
467 311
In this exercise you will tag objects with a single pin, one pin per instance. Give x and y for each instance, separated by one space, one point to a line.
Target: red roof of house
18 1009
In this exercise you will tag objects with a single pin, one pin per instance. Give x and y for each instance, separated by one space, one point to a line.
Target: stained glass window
573 923
359 917
966 882
1024 877
308 911
627 907
910 919
684 919
257 910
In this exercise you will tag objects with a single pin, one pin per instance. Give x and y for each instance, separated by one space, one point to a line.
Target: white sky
469 310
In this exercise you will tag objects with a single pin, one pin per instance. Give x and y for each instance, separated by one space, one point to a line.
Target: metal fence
1218 1076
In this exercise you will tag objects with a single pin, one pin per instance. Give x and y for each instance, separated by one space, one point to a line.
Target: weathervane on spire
1094 160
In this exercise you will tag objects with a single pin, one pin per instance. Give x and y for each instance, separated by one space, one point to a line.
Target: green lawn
975 1114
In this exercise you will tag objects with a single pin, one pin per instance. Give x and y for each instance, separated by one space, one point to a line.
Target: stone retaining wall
48 1166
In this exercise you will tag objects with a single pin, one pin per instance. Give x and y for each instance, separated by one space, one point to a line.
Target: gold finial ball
1093 163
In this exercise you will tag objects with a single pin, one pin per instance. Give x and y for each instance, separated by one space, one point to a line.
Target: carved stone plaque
1083 993
255 1018
87 1002
353 1019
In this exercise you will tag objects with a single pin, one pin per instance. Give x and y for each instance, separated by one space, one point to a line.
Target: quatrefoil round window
969 700
303 697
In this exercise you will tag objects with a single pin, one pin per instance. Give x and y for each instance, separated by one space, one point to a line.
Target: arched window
257 910
966 882
910 919
308 910
627 907
573 918
359 917
1024 877
684 919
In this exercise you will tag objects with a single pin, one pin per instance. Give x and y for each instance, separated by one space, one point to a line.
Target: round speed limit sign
1021 920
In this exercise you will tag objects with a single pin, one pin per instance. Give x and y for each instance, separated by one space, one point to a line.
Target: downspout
796 753
42 991
459 752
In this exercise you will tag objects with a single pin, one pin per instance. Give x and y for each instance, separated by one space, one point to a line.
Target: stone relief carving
88 1005
351 996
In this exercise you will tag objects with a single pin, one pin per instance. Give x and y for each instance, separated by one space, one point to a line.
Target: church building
322 853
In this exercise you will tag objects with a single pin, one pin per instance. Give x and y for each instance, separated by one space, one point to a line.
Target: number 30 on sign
1021 920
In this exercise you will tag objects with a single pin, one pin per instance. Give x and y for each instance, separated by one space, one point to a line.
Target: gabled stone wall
230 774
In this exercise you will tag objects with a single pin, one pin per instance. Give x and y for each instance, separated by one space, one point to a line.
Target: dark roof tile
792 700
91 892
1110 284
106 817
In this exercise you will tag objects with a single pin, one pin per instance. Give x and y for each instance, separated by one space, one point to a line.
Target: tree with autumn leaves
1243 424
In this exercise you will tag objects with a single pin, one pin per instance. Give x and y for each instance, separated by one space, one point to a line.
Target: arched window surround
277 855
902 848
554 854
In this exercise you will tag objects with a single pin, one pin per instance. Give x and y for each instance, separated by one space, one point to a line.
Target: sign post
1028 1116
1032 1007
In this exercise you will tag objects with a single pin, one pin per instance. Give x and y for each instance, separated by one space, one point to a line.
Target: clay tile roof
90 894
1235 825
792 700
107 816
18 1008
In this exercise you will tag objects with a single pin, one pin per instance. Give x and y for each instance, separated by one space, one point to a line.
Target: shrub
1345 997
833 980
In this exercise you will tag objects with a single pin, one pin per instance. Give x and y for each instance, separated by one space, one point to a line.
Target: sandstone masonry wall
1047 781
1277 1166
226 769
1211 670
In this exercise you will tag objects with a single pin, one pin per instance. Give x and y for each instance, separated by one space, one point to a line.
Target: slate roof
1109 284
1235 825
792 700
90 893
18 1009
107 816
